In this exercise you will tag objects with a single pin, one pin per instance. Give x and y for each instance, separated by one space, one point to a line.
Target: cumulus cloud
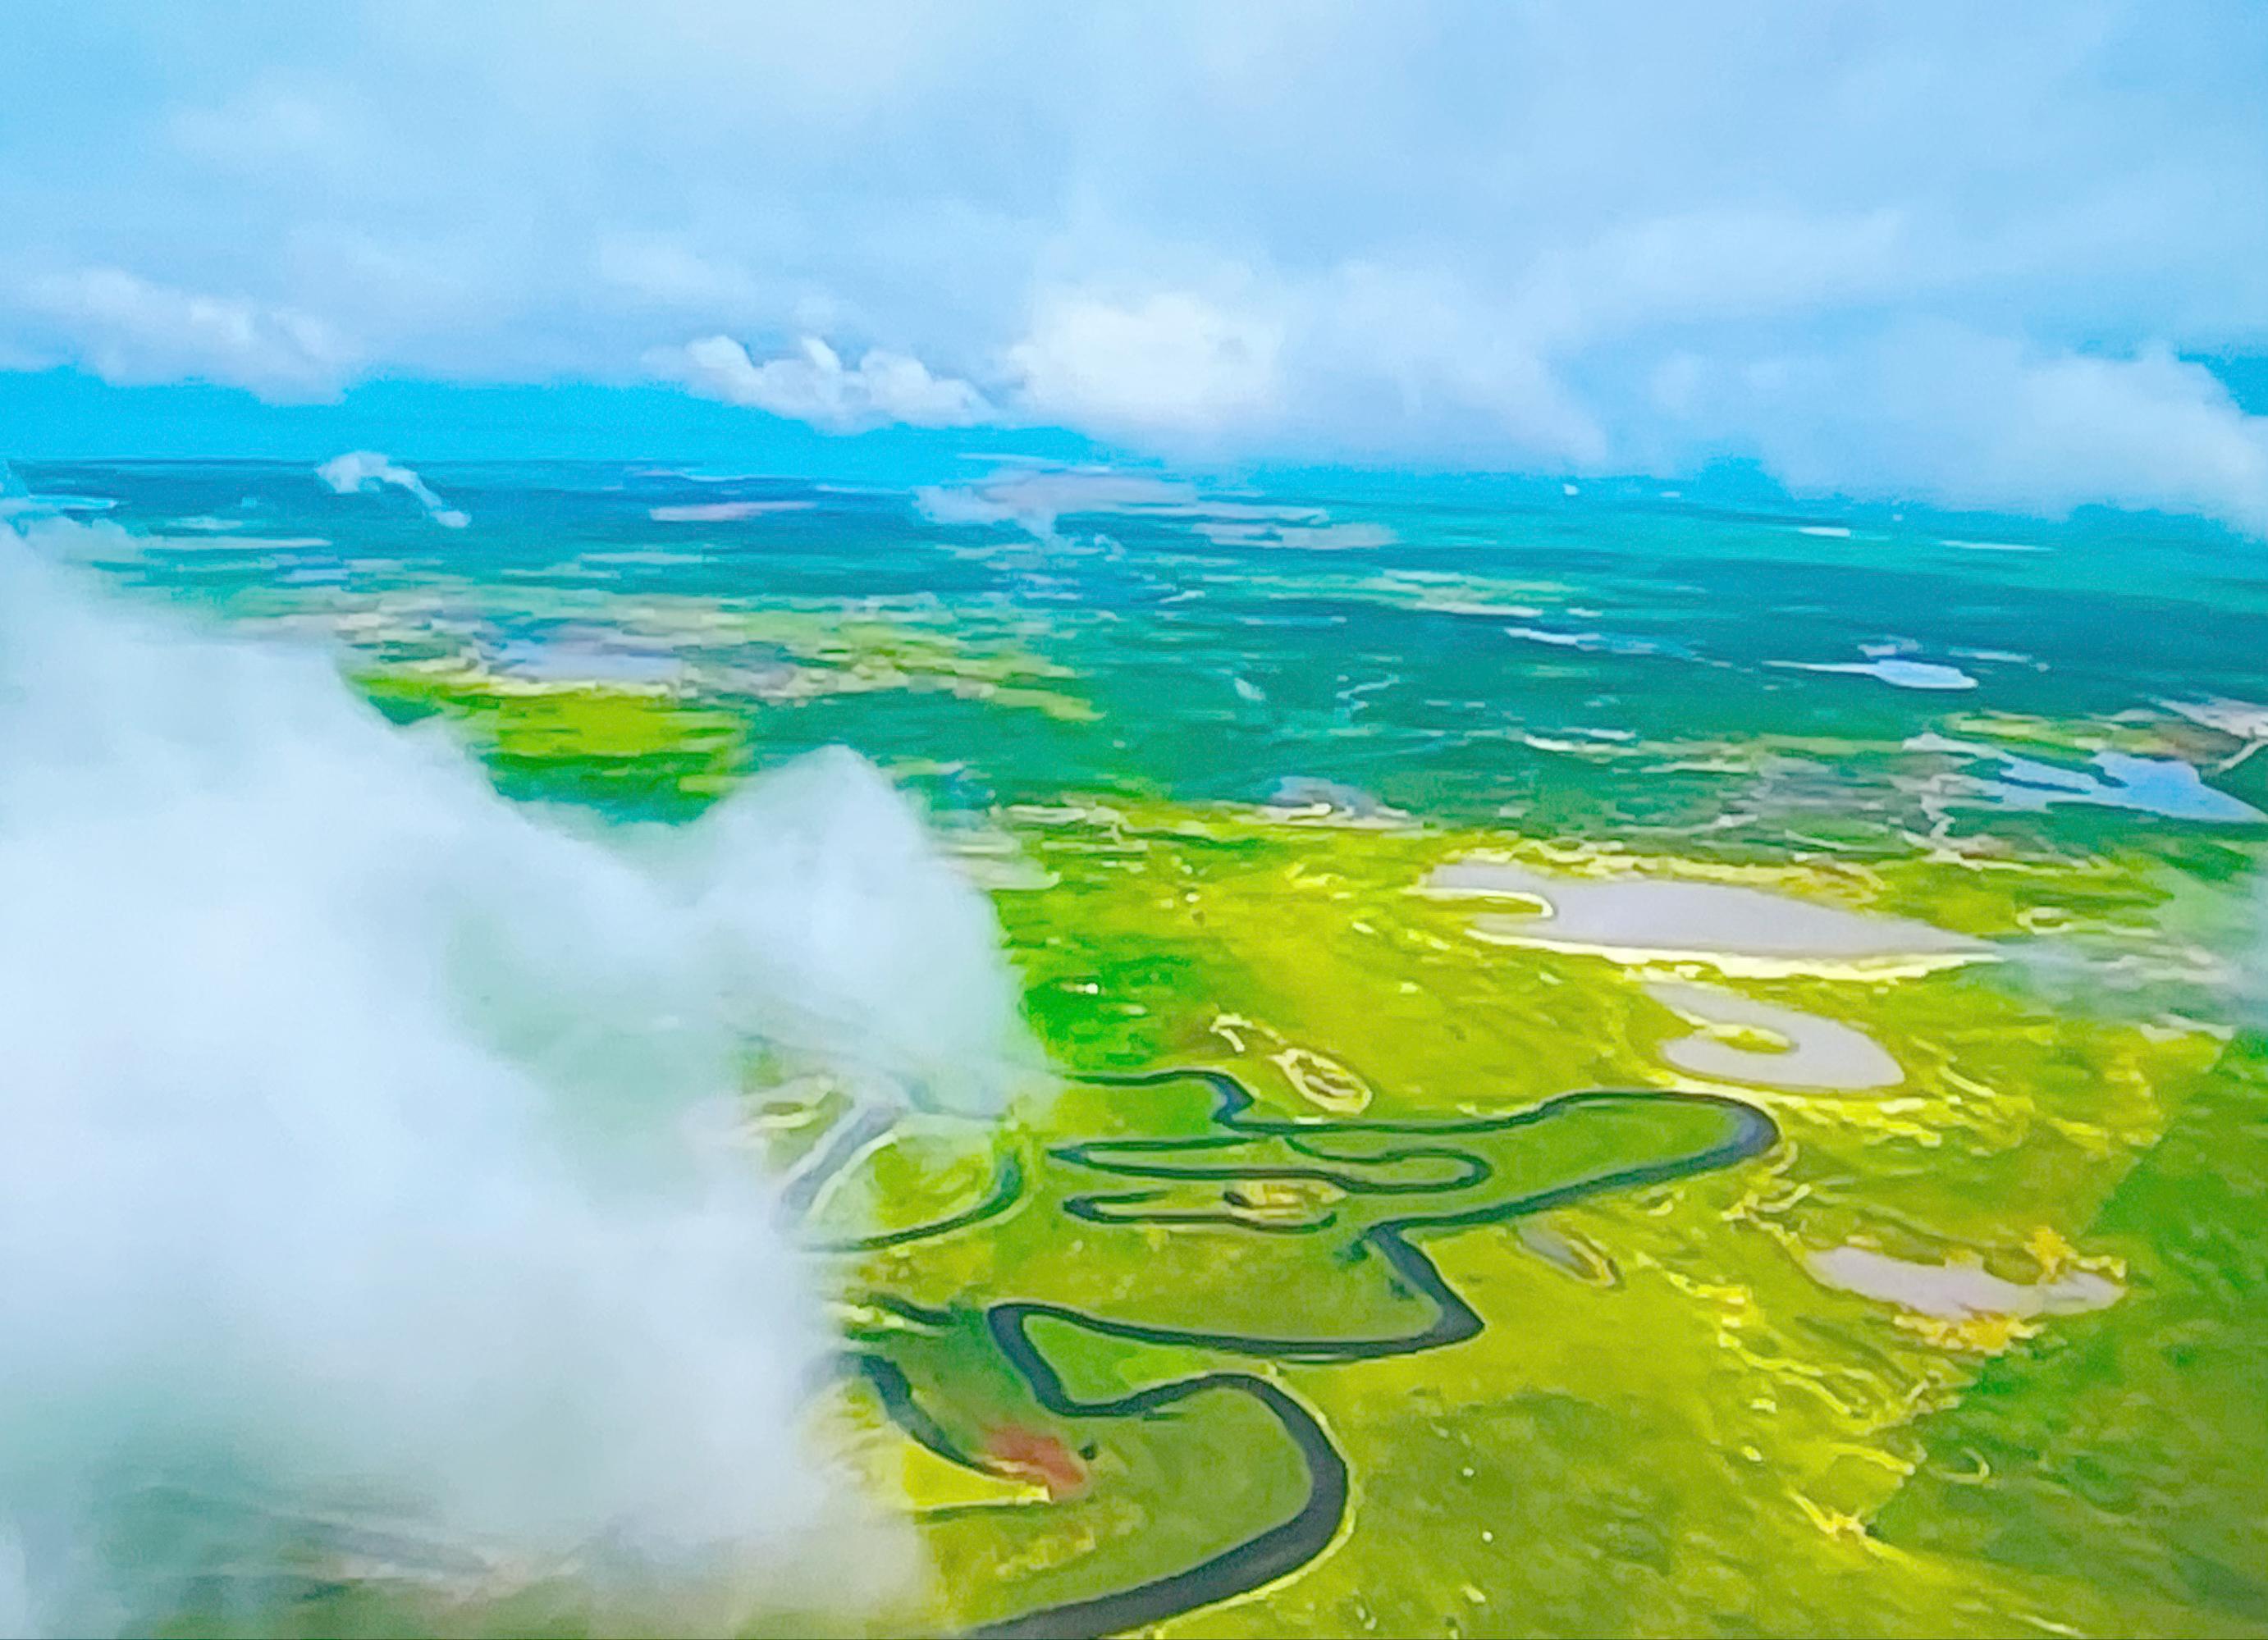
1359 359
1450 235
128 329
1171 362
263 1132
1969 419
363 472
814 384
370 1189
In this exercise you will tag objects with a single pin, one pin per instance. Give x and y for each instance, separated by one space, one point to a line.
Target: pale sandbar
1734 929
1953 1292
1818 1055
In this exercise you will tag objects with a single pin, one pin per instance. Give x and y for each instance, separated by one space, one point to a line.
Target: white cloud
1359 359
1971 420
814 384
130 329
1171 363
1448 235
362 472
423 1143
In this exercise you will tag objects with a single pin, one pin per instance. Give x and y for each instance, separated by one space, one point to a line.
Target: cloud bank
1970 420
1537 238
1167 363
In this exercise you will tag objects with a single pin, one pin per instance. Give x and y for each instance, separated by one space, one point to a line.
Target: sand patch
1955 1291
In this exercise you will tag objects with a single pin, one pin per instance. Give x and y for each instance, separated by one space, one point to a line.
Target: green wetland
1612 1065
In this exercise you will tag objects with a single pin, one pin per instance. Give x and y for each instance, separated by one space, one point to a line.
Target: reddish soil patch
1029 1455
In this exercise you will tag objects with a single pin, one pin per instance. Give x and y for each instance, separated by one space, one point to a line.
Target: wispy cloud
1036 500
361 472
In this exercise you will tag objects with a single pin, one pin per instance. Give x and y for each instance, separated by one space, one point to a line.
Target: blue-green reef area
1627 1065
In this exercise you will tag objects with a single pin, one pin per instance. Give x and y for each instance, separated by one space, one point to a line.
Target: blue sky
2013 257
